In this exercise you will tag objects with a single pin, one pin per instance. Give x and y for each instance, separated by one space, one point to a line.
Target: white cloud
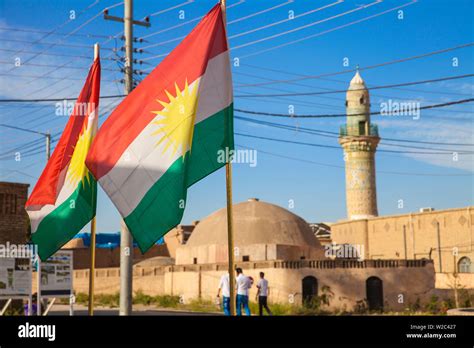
438 132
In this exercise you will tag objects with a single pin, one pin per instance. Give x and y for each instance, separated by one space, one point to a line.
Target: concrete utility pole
48 145
47 136
126 240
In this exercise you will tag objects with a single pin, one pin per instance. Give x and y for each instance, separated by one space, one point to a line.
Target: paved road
82 310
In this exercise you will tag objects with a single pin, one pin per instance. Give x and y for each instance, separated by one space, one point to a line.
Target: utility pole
126 240
48 145
47 136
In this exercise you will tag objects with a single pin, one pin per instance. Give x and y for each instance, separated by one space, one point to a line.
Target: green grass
435 306
105 300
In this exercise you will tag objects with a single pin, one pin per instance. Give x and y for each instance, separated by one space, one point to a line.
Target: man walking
262 294
225 288
242 285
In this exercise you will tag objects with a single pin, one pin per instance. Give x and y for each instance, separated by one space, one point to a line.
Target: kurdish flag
64 198
168 133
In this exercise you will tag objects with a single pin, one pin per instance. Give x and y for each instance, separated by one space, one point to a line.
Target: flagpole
92 241
92 268
230 224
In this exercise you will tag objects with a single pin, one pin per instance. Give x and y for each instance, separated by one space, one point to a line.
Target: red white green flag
64 198
167 134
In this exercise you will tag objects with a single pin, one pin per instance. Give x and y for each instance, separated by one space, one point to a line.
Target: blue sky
269 46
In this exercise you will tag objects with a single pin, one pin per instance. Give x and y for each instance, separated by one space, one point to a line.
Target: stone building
445 236
13 218
263 231
281 244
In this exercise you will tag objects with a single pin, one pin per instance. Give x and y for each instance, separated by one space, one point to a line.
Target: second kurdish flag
168 133
64 198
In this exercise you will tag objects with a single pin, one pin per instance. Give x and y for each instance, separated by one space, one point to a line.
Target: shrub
166 301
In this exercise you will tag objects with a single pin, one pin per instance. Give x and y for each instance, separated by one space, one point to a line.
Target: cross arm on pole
146 23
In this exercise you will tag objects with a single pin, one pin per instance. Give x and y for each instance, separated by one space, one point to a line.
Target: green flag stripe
62 224
163 205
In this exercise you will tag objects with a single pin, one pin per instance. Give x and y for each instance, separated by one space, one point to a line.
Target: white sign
56 275
15 277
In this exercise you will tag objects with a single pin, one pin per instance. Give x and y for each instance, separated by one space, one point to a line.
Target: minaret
359 139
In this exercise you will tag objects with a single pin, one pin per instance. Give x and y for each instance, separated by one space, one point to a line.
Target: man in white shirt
262 294
225 288
242 284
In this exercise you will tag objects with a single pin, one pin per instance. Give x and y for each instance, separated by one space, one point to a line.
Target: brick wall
13 217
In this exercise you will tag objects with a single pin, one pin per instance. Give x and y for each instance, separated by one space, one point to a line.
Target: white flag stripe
143 163
38 213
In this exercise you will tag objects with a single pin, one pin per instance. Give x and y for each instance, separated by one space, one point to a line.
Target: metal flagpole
92 268
93 224
230 236
38 261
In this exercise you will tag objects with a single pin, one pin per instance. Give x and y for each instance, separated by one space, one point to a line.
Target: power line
286 19
54 99
333 135
330 80
290 94
369 67
171 8
260 12
61 25
376 2
350 115
16 29
55 44
359 89
330 30
323 164
253 30
55 66
46 53
62 78
339 148
191 21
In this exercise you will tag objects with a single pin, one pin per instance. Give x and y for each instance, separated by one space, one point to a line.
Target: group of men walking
242 285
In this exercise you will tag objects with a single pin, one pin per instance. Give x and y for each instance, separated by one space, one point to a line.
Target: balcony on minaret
360 129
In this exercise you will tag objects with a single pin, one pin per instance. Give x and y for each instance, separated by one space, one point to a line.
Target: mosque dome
255 222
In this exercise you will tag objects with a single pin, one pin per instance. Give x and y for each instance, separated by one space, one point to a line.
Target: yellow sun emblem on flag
176 124
77 170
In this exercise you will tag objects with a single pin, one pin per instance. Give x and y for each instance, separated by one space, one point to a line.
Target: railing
322 264
318 264
345 130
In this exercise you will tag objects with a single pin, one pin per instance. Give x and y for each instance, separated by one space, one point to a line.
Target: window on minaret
361 100
346 103
362 128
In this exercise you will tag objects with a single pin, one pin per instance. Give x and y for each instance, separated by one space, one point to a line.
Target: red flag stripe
50 182
135 112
